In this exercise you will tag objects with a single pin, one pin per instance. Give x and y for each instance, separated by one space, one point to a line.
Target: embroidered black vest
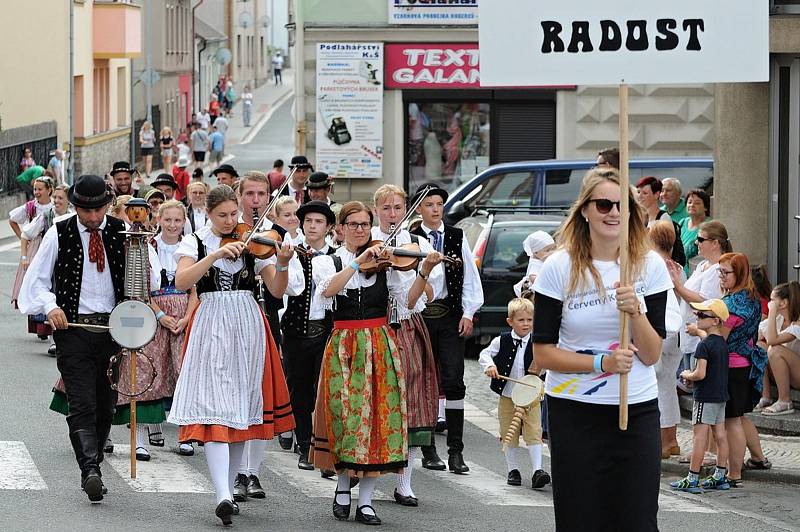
453 274
504 360
361 303
295 319
216 280
68 269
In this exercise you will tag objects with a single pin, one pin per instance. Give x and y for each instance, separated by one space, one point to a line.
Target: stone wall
96 155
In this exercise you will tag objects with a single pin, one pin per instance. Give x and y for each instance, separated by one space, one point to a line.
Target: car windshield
504 250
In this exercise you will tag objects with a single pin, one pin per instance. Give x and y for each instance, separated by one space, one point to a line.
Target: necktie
517 343
298 196
436 240
96 251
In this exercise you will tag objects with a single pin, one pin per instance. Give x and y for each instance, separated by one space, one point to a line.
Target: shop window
448 143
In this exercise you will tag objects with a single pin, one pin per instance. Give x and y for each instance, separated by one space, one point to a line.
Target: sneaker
684 484
712 483
240 488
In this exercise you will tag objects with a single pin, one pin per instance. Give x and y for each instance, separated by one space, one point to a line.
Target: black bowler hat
121 166
227 169
433 190
90 192
319 180
316 206
164 179
300 162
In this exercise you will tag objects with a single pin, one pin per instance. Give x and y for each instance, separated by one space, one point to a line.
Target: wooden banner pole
132 361
624 259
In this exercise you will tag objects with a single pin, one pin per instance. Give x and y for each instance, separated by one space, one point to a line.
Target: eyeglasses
723 273
604 206
701 239
703 315
355 225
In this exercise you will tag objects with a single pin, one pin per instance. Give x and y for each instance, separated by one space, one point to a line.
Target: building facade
439 124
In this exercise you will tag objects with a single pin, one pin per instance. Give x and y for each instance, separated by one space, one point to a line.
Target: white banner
350 109
585 42
437 12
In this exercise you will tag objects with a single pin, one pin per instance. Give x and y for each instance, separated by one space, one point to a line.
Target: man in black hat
122 175
78 277
300 170
226 175
456 298
319 189
306 327
166 184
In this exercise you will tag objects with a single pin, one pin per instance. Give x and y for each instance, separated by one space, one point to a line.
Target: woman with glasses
600 472
360 419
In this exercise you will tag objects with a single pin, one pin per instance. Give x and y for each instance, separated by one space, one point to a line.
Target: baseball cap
716 306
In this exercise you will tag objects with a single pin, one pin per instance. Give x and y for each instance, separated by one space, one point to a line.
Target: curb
772 476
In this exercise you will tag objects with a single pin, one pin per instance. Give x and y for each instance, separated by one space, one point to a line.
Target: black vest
453 274
68 269
306 197
504 360
295 319
190 217
362 303
215 280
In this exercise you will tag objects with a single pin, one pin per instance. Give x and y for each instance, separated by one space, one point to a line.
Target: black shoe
52 350
240 488
514 478
405 500
42 336
109 446
224 511
441 426
367 519
431 460
327 473
254 488
156 438
540 479
185 449
92 484
456 464
303 463
296 449
235 509
341 511
286 443
142 454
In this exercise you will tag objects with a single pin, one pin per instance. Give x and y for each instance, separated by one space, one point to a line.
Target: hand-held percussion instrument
528 393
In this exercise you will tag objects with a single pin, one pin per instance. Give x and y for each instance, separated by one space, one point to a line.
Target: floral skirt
360 418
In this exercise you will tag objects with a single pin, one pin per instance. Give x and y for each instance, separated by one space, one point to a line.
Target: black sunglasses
604 206
702 315
701 239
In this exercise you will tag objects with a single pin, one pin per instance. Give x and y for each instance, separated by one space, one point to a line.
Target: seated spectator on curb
780 334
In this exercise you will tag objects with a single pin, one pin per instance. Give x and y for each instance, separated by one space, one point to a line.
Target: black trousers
448 350
604 478
302 359
82 358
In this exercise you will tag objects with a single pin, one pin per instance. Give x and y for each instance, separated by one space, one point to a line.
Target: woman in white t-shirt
781 334
601 472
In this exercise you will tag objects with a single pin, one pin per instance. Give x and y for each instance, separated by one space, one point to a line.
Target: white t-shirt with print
590 323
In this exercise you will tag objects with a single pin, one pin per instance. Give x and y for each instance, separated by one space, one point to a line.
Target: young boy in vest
710 378
511 355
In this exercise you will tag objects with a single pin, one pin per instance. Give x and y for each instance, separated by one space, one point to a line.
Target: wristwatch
279 268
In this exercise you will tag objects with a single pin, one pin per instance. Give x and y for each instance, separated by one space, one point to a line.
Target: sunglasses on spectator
604 206
701 239
703 315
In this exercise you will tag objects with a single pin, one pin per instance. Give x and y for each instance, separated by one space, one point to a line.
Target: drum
527 395
133 324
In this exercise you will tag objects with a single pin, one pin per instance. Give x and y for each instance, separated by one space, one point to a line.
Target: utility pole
148 60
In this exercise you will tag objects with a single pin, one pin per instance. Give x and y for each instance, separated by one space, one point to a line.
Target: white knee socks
218 458
252 457
141 435
343 484
511 459
235 451
536 456
404 480
365 489
441 409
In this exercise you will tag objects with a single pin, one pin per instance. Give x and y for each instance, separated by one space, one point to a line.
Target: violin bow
257 223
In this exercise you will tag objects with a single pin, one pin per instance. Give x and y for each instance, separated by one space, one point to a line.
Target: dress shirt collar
428 230
523 338
83 229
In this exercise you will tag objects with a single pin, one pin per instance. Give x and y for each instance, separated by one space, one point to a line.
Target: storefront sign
586 42
432 66
350 109
450 12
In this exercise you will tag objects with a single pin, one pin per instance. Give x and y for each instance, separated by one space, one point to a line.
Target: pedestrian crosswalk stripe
309 483
166 472
17 469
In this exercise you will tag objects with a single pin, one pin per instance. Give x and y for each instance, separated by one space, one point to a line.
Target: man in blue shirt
217 145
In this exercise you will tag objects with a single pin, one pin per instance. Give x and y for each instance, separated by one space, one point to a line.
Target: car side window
504 249
503 190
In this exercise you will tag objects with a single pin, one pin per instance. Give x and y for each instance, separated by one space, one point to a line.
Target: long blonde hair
574 236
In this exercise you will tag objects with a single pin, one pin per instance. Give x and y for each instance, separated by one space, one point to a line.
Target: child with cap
511 355
538 245
710 378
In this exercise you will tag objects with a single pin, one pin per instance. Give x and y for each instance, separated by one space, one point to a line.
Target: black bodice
362 303
216 280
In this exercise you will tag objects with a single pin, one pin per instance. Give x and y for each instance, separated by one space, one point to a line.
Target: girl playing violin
231 388
360 419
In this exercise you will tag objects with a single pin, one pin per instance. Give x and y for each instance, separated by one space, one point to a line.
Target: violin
261 244
402 258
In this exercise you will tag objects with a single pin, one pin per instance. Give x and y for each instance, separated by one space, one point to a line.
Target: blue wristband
160 314
598 363
354 264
